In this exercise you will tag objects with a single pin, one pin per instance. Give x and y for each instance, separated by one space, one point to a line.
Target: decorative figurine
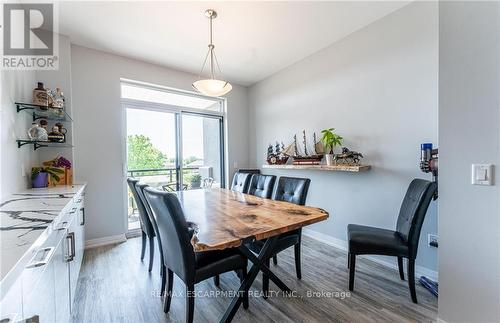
276 156
37 133
41 97
55 135
305 159
348 157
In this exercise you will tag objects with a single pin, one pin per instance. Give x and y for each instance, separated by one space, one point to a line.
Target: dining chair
261 185
140 191
240 182
293 190
401 243
249 170
146 226
178 254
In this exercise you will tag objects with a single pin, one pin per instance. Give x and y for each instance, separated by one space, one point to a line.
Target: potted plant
40 176
195 181
330 140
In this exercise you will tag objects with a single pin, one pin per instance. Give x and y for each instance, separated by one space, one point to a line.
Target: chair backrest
292 189
412 212
262 185
146 225
249 171
240 182
140 191
174 232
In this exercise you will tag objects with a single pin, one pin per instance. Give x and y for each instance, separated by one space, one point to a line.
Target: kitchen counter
26 219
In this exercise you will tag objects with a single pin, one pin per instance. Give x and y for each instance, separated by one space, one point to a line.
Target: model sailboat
305 158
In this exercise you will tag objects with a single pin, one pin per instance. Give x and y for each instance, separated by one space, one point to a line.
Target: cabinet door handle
71 246
83 216
49 251
63 226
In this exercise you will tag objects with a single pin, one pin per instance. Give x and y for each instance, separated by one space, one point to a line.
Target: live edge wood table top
224 219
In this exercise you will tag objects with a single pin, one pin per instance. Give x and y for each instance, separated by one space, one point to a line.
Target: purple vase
40 181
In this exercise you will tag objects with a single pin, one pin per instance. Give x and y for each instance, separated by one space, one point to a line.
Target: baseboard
119 238
342 245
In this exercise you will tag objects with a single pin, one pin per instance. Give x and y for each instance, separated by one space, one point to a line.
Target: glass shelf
43 112
39 144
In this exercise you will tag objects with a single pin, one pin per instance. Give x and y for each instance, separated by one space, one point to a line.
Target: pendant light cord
211 54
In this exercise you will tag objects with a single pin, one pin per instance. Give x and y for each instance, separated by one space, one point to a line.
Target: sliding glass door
172 147
202 152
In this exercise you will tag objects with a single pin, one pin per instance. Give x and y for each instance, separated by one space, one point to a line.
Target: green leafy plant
330 139
52 171
194 179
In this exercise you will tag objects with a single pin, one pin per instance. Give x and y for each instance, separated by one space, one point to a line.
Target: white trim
119 238
342 245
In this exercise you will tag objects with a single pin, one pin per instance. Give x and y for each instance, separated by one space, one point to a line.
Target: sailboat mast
305 142
296 152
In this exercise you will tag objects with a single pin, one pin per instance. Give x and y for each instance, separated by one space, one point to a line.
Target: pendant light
211 86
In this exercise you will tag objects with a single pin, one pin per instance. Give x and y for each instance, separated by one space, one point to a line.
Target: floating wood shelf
334 168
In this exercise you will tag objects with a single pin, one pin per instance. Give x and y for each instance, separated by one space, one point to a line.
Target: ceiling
253 39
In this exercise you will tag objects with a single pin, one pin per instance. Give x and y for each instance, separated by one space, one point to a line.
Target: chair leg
143 246
168 290
217 280
275 259
352 268
401 269
243 275
296 249
189 303
411 280
151 252
265 281
163 276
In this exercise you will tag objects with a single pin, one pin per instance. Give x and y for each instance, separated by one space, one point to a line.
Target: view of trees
143 155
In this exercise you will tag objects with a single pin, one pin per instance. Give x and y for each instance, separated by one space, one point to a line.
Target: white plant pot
329 159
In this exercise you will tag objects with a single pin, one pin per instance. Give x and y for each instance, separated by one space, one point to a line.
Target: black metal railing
164 178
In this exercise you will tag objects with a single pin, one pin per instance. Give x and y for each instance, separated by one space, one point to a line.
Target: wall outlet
432 240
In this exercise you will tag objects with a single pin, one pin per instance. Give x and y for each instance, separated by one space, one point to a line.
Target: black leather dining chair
240 182
261 185
293 190
249 170
178 254
401 243
140 191
146 226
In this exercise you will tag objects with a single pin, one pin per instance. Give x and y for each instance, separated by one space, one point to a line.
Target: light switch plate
482 174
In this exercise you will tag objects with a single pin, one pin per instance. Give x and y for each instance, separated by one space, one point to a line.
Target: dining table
226 219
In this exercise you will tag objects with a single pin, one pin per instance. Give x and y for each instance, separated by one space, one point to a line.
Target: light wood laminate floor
115 286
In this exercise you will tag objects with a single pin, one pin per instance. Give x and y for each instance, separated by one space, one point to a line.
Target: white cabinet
45 290
11 309
38 281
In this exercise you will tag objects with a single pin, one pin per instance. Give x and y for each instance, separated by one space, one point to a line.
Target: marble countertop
25 216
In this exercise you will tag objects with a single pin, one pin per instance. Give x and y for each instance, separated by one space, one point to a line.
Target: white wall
60 78
469 132
16 86
378 88
99 137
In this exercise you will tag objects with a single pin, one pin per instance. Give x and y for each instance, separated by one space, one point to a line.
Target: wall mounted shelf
39 144
42 112
334 168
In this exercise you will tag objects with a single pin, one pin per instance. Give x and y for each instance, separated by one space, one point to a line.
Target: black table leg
258 265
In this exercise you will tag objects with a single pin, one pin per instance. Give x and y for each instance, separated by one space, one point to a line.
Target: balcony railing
161 178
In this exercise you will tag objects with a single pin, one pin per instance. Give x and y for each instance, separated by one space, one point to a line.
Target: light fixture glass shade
212 87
